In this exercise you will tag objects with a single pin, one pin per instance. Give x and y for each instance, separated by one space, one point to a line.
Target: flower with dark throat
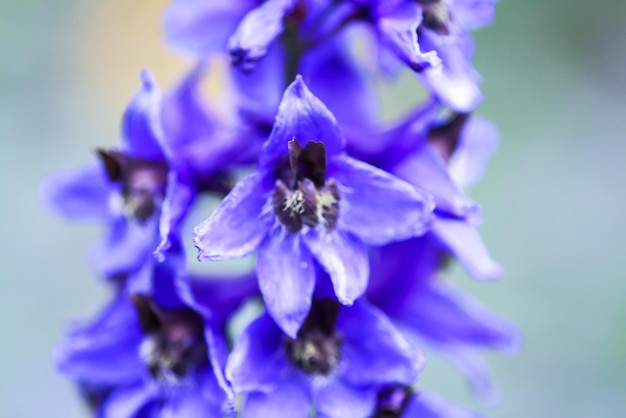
124 190
158 349
337 363
308 200
403 402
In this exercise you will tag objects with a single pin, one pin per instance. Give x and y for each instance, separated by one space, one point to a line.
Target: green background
553 197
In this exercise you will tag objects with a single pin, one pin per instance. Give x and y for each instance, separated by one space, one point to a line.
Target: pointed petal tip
148 81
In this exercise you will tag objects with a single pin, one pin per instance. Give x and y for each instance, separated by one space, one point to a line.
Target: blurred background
553 197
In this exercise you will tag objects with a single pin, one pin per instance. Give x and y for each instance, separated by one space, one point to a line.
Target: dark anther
392 402
436 16
302 195
143 181
174 341
316 348
445 138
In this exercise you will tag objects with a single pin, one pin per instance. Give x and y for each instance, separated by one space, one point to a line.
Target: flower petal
429 405
427 170
286 279
104 350
207 400
142 133
373 351
238 225
289 399
397 28
344 257
258 359
456 83
126 247
378 207
303 116
464 243
335 77
479 140
473 14
202 27
446 315
339 399
130 401
179 196
84 194
258 29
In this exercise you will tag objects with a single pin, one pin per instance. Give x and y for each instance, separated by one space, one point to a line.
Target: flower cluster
351 220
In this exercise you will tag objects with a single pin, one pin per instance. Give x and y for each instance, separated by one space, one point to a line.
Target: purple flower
124 190
309 200
404 283
159 350
337 362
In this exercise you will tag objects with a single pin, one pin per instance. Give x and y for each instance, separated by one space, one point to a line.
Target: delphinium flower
352 220
307 200
159 351
339 360
124 190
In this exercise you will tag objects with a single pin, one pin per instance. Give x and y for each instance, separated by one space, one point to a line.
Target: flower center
174 345
436 16
143 182
303 196
392 402
316 349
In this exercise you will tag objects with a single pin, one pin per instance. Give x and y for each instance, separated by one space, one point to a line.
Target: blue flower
157 348
405 284
124 190
339 360
309 199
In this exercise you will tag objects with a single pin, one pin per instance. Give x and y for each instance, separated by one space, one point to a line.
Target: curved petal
373 351
84 194
238 225
335 77
196 401
448 316
476 371
339 399
258 359
179 196
464 243
130 402
289 399
303 116
344 257
378 207
429 405
142 133
427 170
456 83
202 27
104 350
126 247
397 27
479 140
286 279
258 29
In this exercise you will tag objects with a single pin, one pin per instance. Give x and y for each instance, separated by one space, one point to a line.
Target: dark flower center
436 16
316 349
143 182
392 402
302 195
174 344
445 138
